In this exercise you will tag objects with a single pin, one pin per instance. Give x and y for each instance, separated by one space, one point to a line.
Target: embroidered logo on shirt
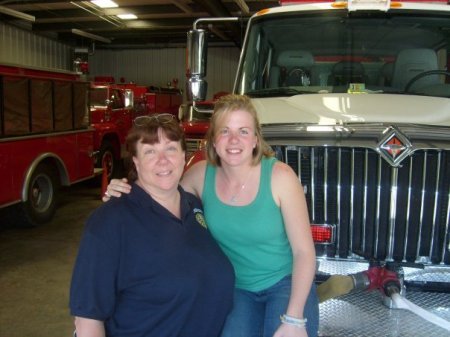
199 217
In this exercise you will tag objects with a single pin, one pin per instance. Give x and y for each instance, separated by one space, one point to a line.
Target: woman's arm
288 192
86 327
194 178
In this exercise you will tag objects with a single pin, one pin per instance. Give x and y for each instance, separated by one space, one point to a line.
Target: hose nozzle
391 288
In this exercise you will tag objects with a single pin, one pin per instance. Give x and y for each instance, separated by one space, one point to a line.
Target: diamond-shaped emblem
394 146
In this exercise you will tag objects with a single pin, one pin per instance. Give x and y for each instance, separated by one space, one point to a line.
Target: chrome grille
381 212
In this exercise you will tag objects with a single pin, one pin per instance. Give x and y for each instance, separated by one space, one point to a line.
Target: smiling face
159 166
235 137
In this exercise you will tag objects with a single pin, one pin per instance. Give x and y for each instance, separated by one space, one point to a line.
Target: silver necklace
234 197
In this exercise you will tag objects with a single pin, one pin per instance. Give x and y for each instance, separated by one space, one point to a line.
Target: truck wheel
41 204
107 160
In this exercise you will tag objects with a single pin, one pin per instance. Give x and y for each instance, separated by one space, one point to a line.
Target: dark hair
224 106
145 129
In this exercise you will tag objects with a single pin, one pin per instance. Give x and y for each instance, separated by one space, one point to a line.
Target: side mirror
198 88
129 98
196 52
196 64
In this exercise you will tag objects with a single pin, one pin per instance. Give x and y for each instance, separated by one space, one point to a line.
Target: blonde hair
225 105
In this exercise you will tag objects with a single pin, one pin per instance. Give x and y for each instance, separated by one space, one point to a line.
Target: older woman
147 266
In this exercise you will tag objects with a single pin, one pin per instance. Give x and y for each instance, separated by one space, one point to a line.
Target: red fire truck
45 139
113 108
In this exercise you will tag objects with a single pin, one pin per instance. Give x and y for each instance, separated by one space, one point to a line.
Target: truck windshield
98 96
404 52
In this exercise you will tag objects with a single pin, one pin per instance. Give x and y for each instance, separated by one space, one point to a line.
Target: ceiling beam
185 8
17 14
90 36
243 6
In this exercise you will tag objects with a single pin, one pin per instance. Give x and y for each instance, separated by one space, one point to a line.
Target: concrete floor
36 267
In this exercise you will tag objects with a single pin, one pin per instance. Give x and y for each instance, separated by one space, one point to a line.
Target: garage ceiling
159 23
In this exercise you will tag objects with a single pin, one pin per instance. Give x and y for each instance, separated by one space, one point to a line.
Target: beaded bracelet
298 322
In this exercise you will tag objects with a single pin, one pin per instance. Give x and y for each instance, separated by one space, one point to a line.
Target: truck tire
40 206
107 160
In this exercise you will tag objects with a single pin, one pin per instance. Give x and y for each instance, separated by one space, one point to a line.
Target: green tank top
252 236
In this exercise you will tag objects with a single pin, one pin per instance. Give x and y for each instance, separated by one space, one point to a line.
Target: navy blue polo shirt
144 272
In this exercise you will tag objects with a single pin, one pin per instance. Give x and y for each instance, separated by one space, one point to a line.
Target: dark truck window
15 106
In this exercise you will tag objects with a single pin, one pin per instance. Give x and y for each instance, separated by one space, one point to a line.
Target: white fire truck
355 97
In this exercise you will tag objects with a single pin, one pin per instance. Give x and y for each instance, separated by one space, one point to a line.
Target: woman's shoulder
282 172
108 215
193 178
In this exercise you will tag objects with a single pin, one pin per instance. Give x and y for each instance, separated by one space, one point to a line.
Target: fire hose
388 279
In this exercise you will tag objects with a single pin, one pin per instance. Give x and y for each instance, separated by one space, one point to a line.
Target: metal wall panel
155 67
19 46
158 67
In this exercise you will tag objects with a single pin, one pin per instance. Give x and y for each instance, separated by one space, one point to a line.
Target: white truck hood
336 109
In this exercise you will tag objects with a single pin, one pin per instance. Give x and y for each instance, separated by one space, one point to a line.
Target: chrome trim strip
422 205
408 207
436 198
427 136
392 213
313 182
446 244
338 190
325 186
355 143
378 208
352 200
365 196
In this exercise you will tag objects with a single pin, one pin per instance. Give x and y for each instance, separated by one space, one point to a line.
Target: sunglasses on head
160 118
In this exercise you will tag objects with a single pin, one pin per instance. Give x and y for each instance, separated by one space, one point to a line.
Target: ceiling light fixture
17 14
104 3
91 8
90 36
127 16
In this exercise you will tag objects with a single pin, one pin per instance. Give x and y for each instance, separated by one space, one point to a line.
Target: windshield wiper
284 91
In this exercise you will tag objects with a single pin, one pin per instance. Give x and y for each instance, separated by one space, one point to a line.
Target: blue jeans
257 314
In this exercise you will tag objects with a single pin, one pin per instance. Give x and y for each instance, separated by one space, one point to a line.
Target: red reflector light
323 234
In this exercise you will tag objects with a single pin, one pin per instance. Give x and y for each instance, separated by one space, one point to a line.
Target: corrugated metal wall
159 66
143 66
25 48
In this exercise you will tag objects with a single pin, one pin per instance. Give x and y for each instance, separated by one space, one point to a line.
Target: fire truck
354 96
113 109
45 140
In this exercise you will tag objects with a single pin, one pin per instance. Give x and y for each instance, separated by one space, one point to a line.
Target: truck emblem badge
394 146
